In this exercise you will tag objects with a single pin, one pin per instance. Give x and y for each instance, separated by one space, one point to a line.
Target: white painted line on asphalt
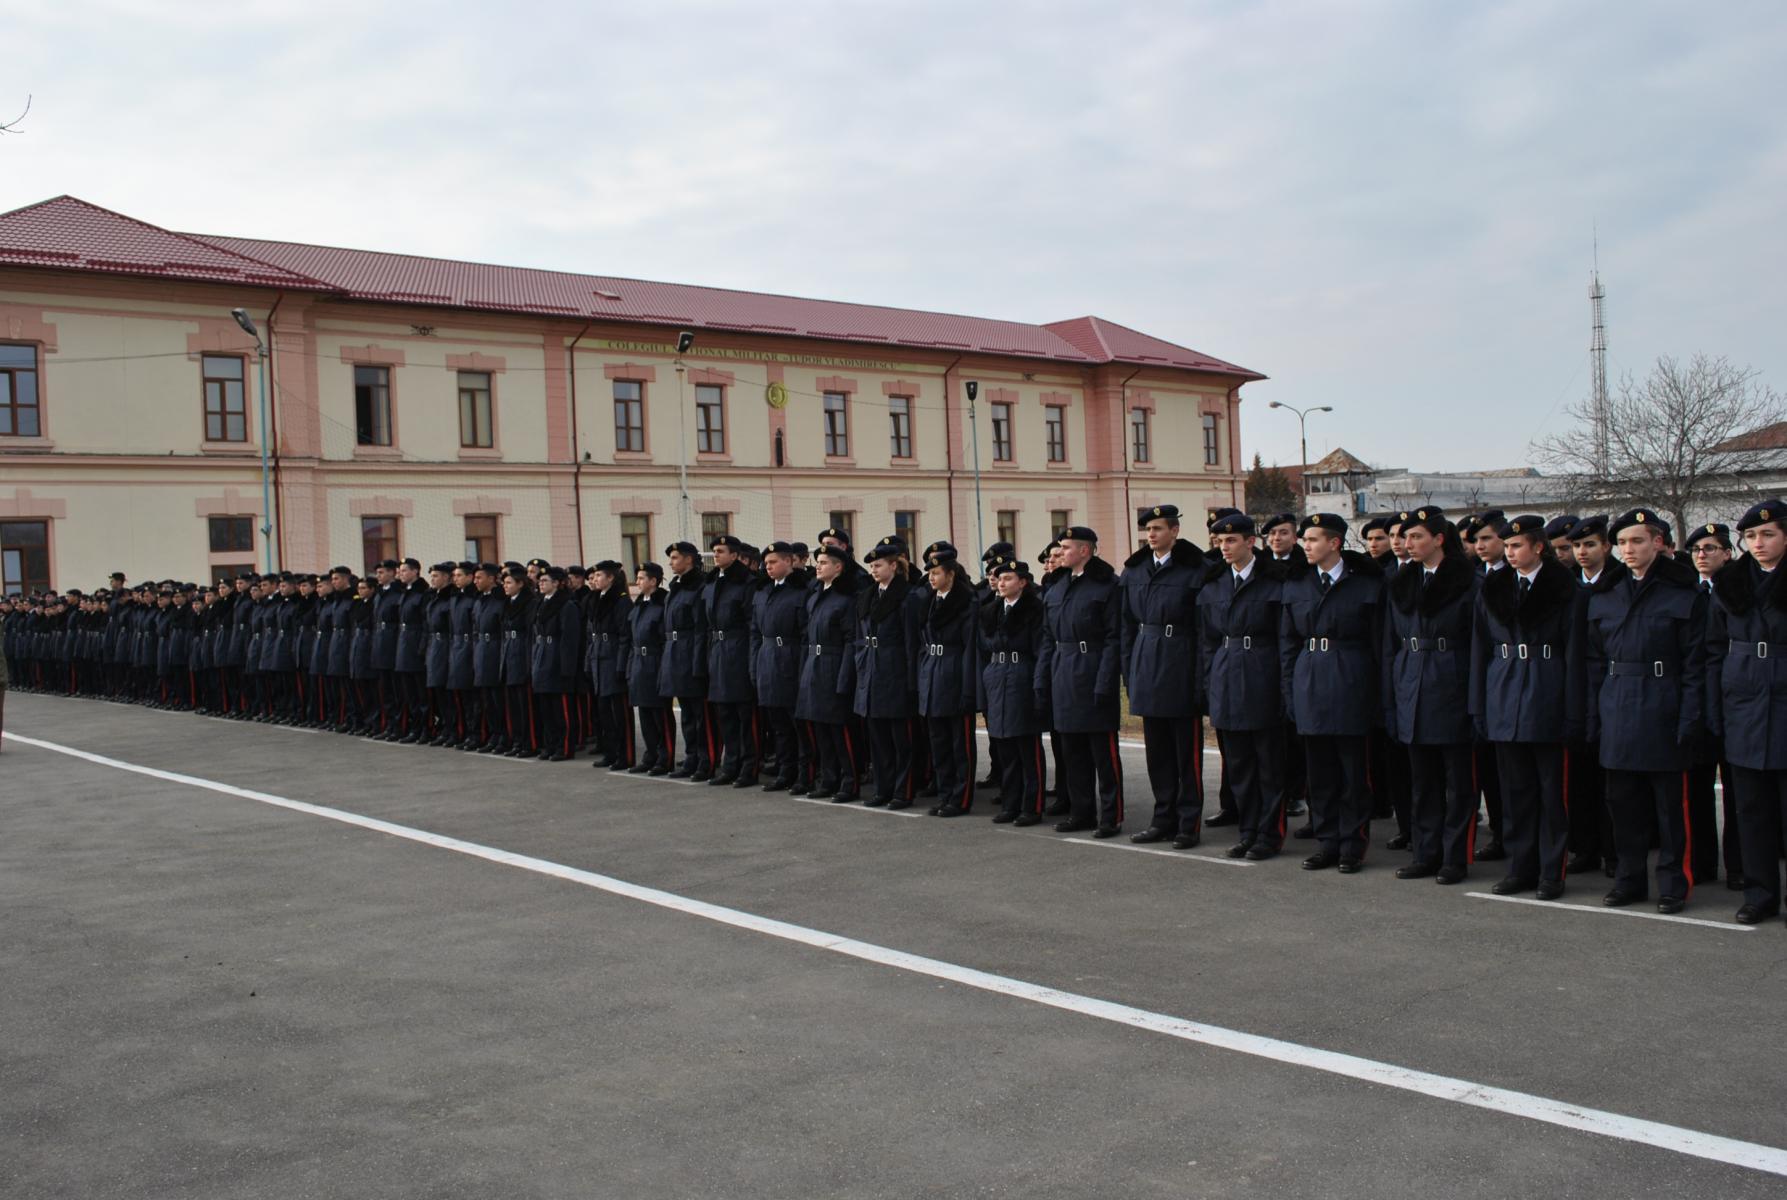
1066 840
1753 1156
856 806
1728 926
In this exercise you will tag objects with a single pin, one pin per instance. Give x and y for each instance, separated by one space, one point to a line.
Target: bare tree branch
12 126
1673 440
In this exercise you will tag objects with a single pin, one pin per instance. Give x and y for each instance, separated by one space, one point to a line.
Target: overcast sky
1386 207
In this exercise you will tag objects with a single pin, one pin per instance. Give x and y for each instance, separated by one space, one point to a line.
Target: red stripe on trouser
849 756
1117 771
968 771
707 732
1687 840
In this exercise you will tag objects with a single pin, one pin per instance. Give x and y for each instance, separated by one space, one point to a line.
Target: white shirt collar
1243 572
1533 574
1592 578
1494 566
1333 573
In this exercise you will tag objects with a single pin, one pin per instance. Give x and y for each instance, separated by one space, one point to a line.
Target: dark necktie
1526 585
1325 581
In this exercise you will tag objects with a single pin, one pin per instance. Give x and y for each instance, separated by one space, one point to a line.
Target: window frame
211 529
714 525
371 558
1059 519
906 531
1212 445
10 402
475 550
489 394
1054 424
22 582
629 429
895 435
390 424
1141 436
206 379
717 406
837 440
845 519
643 538
1004 424
1005 525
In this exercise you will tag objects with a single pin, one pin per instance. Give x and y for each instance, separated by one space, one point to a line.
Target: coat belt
1083 647
1656 669
1163 630
1526 650
1747 649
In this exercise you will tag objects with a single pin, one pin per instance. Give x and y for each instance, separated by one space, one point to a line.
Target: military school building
435 407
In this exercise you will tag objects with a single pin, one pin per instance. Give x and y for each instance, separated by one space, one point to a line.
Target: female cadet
645 638
362 675
947 685
1014 689
518 614
1426 692
887 641
557 651
827 673
778 632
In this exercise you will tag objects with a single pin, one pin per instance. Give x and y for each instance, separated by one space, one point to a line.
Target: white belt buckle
1523 650
1169 631
1761 649
1656 668
1082 647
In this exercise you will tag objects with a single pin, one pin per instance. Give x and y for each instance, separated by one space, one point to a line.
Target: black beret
1525 523
1719 533
389 564
512 565
116 575
998 550
1233 521
1588 527
1430 517
727 540
412 564
1560 527
538 562
577 571
654 570
1377 525
1078 533
884 550
466 565
894 540
490 568
1275 521
1330 522
1637 516
937 550
442 566
688 548
801 549
341 571
610 566
1005 566
833 532
1168 512
1047 550
557 574
783 548
841 553
1762 513
1216 514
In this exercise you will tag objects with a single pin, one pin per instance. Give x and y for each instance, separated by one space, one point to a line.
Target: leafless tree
12 126
1675 438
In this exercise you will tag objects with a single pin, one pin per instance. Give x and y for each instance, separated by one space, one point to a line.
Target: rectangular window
714 525
710 418
629 416
1211 455
226 406
225 572
899 425
24 556
1054 419
372 406
1059 519
378 540
845 521
906 528
475 429
231 535
636 539
837 425
480 538
1001 433
1138 435
20 413
1005 522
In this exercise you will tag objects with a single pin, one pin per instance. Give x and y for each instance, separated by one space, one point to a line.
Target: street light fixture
1303 437
260 347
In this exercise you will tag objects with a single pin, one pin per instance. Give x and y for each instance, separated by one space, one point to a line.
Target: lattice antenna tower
1597 351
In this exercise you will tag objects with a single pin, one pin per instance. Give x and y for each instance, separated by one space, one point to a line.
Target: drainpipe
948 460
576 454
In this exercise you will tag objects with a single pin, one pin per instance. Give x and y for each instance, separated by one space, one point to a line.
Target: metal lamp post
1303 438
980 530
260 347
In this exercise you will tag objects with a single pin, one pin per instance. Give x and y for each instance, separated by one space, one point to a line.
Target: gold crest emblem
1638 517
1763 514
1712 529
1157 510
1422 515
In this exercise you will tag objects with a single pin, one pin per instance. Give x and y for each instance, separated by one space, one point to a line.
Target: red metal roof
71 234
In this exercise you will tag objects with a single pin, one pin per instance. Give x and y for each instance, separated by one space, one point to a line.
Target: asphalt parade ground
245 961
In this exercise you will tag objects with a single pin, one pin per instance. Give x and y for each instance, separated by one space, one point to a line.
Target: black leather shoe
701 777
1671 904
776 785
1221 819
745 781
1756 914
1072 826
1449 875
1024 819
1150 834
874 802
681 773
1004 818
1550 889
1258 853
1187 841
659 771
1493 852
1349 865
1321 860
819 794
1416 871
1238 850
1107 831
898 805
1619 899
640 769
951 810
845 798
1581 864
800 789
1512 885
722 781
1399 842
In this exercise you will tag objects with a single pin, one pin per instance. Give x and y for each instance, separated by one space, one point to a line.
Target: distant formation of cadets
1589 699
